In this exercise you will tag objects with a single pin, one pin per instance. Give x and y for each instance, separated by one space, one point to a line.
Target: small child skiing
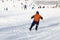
36 20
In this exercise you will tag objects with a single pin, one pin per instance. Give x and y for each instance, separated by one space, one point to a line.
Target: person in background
25 6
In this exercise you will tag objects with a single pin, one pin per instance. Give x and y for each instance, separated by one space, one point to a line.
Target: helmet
37 12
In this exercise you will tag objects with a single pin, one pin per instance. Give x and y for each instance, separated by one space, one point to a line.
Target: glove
32 17
42 18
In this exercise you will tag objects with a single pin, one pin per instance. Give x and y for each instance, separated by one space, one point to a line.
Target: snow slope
14 25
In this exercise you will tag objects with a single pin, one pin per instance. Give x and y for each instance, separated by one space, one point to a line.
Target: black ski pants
33 23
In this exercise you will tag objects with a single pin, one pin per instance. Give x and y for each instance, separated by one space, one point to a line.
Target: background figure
6 8
36 20
32 7
25 6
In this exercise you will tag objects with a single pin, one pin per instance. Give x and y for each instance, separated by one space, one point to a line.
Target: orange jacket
37 17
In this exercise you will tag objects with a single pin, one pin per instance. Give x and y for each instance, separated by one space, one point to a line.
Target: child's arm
32 17
41 17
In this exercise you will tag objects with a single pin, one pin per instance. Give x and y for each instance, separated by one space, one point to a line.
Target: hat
37 12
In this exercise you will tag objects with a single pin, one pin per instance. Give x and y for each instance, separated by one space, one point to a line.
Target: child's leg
33 23
36 25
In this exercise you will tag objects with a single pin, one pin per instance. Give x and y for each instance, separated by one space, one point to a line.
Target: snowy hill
14 25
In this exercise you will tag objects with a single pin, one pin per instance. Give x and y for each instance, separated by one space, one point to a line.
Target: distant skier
25 6
6 8
36 17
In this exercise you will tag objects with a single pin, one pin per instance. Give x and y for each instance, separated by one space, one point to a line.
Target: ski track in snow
47 30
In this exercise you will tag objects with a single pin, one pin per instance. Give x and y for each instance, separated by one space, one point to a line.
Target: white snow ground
14 25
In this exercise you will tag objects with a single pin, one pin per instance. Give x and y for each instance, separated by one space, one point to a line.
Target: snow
14 25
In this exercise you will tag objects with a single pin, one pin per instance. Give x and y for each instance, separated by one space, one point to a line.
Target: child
36 17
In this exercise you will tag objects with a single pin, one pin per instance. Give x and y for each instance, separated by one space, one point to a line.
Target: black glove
32 17
42 18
